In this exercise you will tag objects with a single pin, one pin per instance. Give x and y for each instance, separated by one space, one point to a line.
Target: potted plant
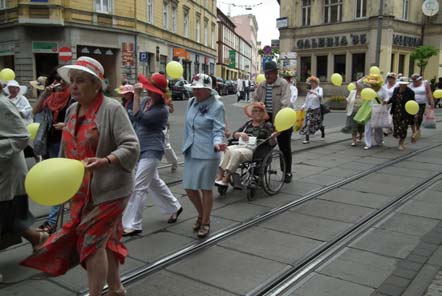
337 103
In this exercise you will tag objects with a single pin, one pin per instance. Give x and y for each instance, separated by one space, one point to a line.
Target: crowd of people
122 143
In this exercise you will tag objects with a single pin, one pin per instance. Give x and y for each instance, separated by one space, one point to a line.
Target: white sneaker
305 142
322 139
220 183
366 147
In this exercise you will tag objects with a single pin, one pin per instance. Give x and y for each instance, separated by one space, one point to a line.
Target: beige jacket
281 94
117 137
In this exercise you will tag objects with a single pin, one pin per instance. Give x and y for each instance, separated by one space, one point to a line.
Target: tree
422 54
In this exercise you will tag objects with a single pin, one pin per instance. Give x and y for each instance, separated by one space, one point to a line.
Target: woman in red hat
150 117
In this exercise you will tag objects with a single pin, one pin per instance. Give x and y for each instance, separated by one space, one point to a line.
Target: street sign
144 57
232 58
430 7
266 59
65 54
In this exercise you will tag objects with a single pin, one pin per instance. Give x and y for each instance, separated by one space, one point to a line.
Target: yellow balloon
7 74
368 94
33 129
411 107
351 86
437 94
54 181
174 70
285 119
260 78
375 70
336 79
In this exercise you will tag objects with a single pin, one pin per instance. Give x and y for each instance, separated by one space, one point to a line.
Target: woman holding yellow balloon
401 116
99 133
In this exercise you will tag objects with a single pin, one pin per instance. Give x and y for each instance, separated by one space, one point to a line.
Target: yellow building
127 36
349 36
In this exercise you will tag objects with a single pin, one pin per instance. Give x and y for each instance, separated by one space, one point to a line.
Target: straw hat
248 109
85 64
39 83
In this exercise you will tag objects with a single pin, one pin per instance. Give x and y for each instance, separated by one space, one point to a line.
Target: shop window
332 11
150 11
321 72
103 6
361 8
401 63
340 64
165 15
306 11
306 65
186 22
405 9
357 66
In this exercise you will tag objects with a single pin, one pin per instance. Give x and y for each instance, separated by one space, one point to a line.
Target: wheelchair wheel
222 189
251 192
273 172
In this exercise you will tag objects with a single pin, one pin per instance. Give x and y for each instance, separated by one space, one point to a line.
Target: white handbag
380 117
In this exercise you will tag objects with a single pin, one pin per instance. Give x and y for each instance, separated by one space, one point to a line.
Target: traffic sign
144 57
65 54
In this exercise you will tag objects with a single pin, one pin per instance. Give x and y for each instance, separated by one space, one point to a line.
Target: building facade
349 36
247 28
127 37
234 52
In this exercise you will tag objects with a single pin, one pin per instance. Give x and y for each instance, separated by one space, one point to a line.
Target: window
212 43
2 4
165 15
405 9
410 67
361 8
306 11
392 62
198 29
358 66
306 64
150 11
206 28
103 6
186 23
332 11
206 4
174 18
401 63
340 64
321 62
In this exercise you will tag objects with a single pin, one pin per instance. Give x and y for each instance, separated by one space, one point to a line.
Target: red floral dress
91 225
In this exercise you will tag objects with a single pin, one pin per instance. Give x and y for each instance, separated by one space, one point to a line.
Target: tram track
137 274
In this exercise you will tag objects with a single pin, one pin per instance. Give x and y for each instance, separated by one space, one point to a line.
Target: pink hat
126 89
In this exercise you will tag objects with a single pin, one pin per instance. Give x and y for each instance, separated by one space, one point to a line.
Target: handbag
364 113
380 116
41 139
429 119
324 109
300 115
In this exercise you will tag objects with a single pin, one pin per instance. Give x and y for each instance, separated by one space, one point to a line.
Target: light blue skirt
199 173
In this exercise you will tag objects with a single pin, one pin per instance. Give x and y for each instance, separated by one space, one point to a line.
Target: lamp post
379 32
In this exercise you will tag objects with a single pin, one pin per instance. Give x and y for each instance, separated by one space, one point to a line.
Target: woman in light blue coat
203 140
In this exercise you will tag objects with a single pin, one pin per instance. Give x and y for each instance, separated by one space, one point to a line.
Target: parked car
220 87
230 87
179 90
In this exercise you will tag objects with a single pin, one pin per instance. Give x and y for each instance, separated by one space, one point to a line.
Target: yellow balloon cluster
260 78
33 129
174 70
375 70
336 79
351 86
7 74
368 94
54 181
285 119
412 107
437 94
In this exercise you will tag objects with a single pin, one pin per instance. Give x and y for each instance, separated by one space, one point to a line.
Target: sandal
46 227
197 224
174 217
43 238
204 230
120 292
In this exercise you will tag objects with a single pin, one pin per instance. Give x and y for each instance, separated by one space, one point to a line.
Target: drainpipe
136 41
379 32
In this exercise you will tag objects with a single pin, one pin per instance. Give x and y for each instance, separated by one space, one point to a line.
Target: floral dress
401 121
91 225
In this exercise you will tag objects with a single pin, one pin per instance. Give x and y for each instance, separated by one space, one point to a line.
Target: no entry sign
65 54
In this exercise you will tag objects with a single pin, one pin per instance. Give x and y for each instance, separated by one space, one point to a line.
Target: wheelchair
266 170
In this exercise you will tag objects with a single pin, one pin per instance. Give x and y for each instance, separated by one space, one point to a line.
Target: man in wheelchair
256 132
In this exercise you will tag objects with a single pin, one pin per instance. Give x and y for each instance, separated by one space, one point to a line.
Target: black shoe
288 178
127 232
173 219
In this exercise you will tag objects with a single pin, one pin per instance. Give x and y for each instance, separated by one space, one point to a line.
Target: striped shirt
268 100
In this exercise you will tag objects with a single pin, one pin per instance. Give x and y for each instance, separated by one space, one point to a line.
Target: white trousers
147 180
373 136
169 153
233 156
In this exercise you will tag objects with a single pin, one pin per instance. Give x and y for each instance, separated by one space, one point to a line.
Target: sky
266 14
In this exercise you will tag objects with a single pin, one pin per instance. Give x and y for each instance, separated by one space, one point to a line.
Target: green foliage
337 99
422 54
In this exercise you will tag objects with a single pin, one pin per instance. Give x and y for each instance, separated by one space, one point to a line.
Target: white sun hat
201 81
86 64
14 83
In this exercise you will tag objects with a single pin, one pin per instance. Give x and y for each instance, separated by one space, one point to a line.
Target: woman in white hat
203 140
99 133
15 94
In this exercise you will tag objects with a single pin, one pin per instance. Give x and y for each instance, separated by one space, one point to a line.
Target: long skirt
14 219
91 226
312 123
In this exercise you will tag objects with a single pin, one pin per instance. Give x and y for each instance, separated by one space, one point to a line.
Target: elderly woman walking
99 133
312 105
423 96
203 140
150 117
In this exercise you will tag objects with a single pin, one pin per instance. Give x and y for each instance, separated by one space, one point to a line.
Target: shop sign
282 22
333 41
127 54
232 58
7 49
406 41
44 47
